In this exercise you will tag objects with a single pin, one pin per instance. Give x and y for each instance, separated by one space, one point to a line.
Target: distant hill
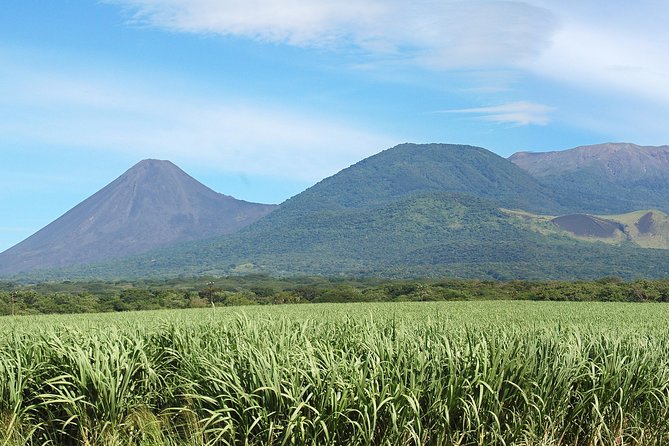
422 235
153 204
413 210
604 178
416 168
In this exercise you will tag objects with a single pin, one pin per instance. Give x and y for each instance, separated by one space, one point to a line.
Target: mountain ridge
416 168
424 210
606 178
617 157
152 204
411 210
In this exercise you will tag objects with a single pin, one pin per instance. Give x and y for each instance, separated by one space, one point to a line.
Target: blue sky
262 98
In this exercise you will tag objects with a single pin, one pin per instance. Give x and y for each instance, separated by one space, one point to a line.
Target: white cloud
439 34
70 110
517 113
602 59
622 50
573 43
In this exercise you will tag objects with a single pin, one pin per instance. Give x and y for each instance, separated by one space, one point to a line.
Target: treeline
93 297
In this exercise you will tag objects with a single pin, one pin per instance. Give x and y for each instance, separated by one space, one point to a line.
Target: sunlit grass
479 373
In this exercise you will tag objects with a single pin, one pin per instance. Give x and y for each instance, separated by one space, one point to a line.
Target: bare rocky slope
604 178
151 205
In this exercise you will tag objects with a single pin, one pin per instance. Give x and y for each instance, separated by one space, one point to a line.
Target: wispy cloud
516 113
70 110
444 34
568 42
599 58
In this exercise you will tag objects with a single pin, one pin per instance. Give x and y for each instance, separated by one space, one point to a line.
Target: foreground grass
468 373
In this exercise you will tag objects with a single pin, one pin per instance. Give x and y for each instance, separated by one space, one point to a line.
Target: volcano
151 205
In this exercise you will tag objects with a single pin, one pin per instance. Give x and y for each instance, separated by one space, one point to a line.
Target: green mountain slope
416 168
604 178
429 234
409 211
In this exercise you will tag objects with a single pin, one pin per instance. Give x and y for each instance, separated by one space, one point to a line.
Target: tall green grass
467 373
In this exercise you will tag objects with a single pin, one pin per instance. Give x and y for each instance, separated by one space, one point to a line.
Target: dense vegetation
606 178
424 235
439 373
595 186
430 210
90 297
410 169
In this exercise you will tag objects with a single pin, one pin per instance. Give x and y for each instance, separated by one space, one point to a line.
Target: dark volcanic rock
587 225
645 223
151 205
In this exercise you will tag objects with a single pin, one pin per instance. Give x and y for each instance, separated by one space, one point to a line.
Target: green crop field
434 373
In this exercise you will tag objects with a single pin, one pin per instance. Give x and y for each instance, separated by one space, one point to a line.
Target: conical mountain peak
150 164
156 167
154 203
154 161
